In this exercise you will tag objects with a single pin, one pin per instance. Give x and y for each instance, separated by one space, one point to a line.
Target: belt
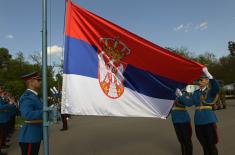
34 122
178 108
203 107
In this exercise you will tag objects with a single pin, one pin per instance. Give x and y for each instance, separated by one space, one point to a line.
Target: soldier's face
203 82
36 84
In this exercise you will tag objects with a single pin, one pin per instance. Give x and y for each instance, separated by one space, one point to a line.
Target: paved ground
129 136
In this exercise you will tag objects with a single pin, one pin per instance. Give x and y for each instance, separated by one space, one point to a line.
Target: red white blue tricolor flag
109 71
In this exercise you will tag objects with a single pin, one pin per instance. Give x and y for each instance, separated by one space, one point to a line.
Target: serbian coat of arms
111 68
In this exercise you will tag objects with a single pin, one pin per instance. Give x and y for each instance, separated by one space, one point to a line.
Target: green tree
13 69
226 69
16 88
208 59
5 58
183 51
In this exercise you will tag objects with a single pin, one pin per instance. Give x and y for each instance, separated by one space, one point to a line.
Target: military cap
203 76
33 75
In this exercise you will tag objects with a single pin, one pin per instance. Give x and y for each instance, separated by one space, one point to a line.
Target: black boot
188 149
183 149
206 151
213 150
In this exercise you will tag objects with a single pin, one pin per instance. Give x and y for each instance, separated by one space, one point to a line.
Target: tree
5 57
11 75
208 59
16 88
226 69
20 57
183 51
231 47
37 60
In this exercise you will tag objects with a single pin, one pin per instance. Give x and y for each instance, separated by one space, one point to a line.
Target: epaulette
26 94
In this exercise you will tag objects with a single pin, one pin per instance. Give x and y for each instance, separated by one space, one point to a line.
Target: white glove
52 90
178 92
56 91
206 72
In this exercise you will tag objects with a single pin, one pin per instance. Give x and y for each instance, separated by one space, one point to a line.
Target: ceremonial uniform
205 119
64 118
183 129
31 109
5 110
31 133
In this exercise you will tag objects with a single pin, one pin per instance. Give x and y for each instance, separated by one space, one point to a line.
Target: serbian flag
109 71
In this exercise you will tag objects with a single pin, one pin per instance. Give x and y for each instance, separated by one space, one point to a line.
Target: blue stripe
81 58
150 84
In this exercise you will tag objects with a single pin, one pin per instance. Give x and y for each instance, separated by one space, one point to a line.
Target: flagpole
44 78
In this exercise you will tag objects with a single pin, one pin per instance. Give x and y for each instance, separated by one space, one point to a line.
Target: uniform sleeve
7 107
186 100
213 93
28 110
214 86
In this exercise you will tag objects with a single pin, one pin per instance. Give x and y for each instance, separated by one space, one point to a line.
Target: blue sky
199 25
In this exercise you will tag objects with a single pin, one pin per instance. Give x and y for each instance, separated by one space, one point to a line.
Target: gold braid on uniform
203 98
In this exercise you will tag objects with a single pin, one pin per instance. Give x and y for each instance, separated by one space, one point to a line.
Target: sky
198 25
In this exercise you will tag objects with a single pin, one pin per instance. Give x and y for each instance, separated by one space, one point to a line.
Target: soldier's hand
206 72
178 92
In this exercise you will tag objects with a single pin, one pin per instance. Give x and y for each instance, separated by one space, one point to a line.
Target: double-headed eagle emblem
111 67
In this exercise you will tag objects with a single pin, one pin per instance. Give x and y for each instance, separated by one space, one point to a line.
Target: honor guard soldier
31 110
182 124
5 110
205 119
64 117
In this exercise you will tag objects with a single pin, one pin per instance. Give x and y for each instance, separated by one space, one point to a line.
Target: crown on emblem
114 48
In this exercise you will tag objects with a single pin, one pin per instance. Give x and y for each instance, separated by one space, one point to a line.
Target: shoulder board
26 93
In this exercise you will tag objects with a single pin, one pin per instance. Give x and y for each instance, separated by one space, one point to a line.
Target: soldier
182 125
3 120
9 112
5 110
31 110
205 119
64 118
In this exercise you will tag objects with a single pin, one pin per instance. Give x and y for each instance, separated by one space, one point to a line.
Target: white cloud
184 27
188 27
54 50
9 36
191 27
202 26
179 27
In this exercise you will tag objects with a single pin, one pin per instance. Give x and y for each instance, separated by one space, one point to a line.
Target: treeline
222 68
11 69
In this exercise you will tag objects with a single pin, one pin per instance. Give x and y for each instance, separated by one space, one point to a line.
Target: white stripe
82 95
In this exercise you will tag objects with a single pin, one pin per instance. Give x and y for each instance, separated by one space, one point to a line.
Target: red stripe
84 25
29 149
